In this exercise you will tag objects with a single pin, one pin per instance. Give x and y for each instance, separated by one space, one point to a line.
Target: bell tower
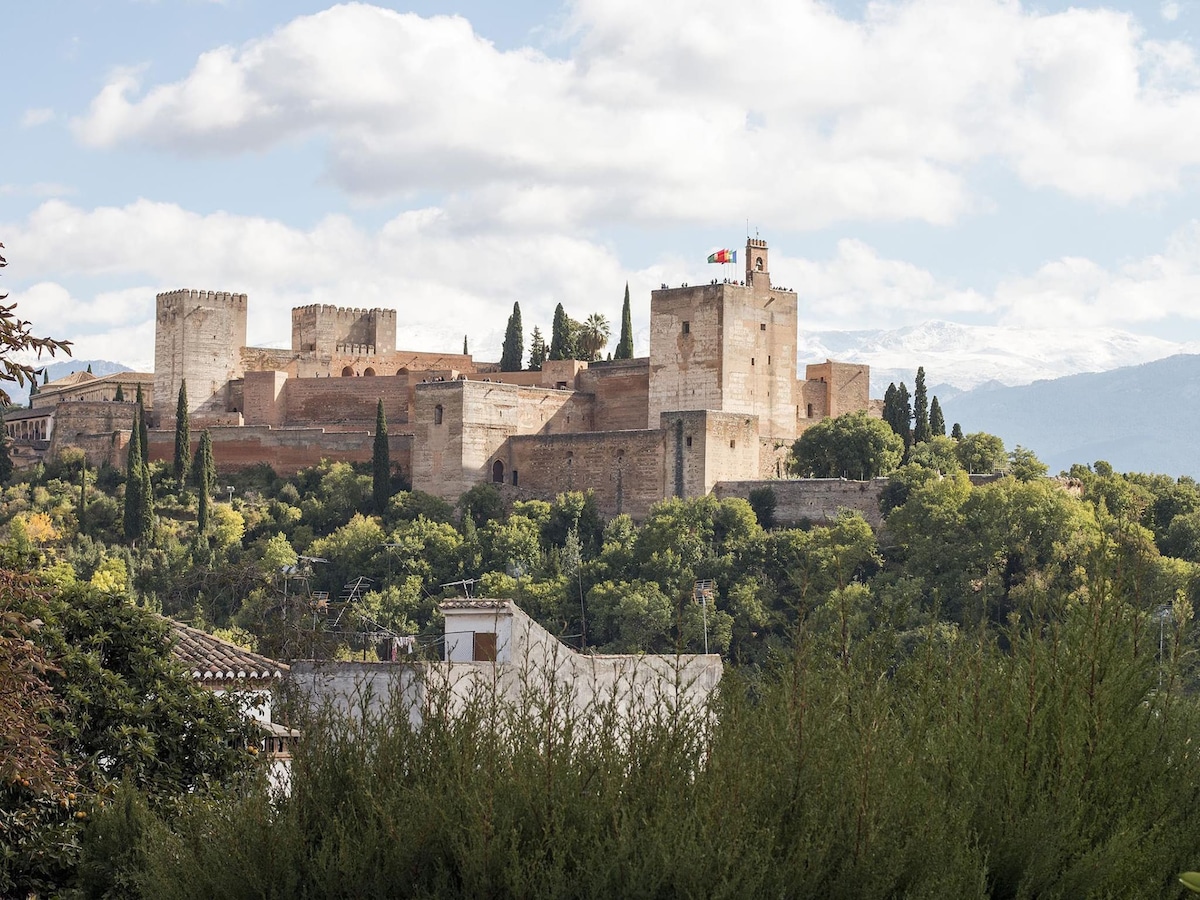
758 272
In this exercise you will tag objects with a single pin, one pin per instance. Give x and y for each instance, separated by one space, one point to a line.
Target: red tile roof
209 658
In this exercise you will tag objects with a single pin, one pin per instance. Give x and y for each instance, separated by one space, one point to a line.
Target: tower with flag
723 256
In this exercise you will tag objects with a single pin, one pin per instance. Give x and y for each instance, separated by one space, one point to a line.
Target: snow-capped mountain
969 356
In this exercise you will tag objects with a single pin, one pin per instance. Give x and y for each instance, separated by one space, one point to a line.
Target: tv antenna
465 583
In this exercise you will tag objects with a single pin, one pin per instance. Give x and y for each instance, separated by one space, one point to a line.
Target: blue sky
1031 165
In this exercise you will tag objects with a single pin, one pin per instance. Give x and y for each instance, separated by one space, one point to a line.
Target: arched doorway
348 371
368 371
497 472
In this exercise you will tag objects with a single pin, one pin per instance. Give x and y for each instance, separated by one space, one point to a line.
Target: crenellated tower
199 336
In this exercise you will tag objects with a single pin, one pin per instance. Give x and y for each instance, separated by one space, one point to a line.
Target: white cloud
684 111
32 118
1170 11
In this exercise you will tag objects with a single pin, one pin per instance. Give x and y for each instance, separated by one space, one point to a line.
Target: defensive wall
814 500
198 336
101 429
333 330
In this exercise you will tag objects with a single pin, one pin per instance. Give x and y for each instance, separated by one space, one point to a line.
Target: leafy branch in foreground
15 337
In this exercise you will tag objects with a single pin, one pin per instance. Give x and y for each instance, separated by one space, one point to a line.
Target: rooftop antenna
465 583
703 592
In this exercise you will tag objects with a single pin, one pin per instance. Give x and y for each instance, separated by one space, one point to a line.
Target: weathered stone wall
704 447
813 499
317 401
333 330
624 468
103 388
549 411
198 336
686 329
286 450
847 385
621 389
438 460
760 355
100 429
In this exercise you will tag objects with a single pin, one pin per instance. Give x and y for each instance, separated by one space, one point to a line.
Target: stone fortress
717 401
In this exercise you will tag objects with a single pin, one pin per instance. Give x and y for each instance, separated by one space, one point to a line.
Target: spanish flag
723 256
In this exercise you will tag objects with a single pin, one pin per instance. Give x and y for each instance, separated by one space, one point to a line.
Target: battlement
327 309
756 242
202 298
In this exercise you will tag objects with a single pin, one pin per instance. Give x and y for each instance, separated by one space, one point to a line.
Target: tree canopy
852 445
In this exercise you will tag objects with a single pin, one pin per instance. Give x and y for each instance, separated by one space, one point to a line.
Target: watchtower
199 336
727 347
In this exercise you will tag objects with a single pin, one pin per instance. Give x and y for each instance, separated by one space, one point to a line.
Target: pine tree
183 436
537 350
625 344
937 422
920 409
514 343
119 396
956 432
560 335
6 463
206 480
381 462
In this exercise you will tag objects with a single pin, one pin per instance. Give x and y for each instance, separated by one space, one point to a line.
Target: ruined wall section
815 500
101 429
198 337
625 469
621 389
686 333
334 330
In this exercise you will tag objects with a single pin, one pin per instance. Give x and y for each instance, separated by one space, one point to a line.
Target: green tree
980 452
6 463
183 436
381 462
15 338
143 427
921 431
898 413
592 336
1024 464
852 445
937 421
206 481
537 350
625 343
465 353
560 335
956 432
119 396
514 342
134 484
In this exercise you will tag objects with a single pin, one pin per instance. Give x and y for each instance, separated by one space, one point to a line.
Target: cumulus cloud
445 282
681 112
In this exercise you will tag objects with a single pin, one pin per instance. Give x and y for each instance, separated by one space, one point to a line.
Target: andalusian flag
723 256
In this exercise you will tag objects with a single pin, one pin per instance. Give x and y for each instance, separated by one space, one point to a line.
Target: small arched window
437 414
810 410
758 264
498 472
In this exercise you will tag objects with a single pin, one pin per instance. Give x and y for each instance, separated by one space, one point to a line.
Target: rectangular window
762 326
484 649
732 445
689 440
687 327
752 360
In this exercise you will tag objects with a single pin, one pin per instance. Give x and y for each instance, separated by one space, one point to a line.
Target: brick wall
621 389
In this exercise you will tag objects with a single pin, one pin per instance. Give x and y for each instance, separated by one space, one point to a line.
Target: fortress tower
199 336
726 347
334 331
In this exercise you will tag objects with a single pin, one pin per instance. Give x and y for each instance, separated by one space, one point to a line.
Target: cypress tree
145 507
625 344
119 396
206 480
89 368
133 480
514 343
889 407
143 428
920 409
183 436
465 353
937 422
537 350
83 496
6 463
956 432
560 335
904 414
381 462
